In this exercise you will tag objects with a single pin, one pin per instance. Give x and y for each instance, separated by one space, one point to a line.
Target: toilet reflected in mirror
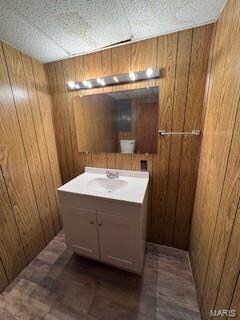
127 146
118 122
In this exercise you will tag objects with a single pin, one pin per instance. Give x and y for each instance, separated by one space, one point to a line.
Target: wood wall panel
69 73
179 56
27 207
146 126
180 96
10 238
18 181
230 271
121 59
193 119
23 108
45 106
106 64
41 140
58 117
143 54
226 218
95 123
166 60
235 305
3 278
61 89
215 237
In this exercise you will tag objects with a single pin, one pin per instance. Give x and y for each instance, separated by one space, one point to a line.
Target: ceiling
56 29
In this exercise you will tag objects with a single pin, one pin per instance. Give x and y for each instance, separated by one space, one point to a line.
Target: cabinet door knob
91 221
100 224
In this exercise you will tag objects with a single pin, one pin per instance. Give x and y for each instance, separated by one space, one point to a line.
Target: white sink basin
131 186
106 184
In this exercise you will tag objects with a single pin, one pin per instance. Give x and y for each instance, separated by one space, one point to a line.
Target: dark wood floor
58 285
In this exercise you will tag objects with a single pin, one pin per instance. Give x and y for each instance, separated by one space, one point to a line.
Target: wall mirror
118 122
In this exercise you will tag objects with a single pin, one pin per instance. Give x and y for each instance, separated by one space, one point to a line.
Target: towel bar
195 132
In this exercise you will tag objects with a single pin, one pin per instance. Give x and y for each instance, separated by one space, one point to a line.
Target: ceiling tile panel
20 34
148 18
50 30
77 26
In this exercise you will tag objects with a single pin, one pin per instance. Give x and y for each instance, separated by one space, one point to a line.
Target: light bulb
85 83
77 86
71 84
115 79
132 76
89 84
149 72
101 81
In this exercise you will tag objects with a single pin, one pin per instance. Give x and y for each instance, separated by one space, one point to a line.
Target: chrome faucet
112 174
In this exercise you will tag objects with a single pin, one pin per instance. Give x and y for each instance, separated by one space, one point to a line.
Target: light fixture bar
148 74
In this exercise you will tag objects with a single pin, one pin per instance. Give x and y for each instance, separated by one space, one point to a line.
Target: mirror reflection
118 122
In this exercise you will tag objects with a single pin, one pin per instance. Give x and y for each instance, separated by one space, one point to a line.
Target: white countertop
134 191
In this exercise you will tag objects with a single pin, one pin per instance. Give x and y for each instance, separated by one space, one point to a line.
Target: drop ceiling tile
77 26
151 17
23 36
50 30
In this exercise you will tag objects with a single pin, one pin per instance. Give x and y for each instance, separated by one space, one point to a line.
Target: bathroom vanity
105 216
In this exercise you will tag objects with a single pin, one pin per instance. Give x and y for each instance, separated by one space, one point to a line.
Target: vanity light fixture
144 75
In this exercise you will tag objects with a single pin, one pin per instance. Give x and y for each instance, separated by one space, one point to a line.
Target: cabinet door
80 227
118 241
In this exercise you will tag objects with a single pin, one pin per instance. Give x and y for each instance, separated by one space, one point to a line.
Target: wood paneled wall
144 125
215 236
29 170
96 123
183 60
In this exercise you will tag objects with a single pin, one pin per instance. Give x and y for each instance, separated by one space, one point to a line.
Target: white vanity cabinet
119 239
106 229
81 231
